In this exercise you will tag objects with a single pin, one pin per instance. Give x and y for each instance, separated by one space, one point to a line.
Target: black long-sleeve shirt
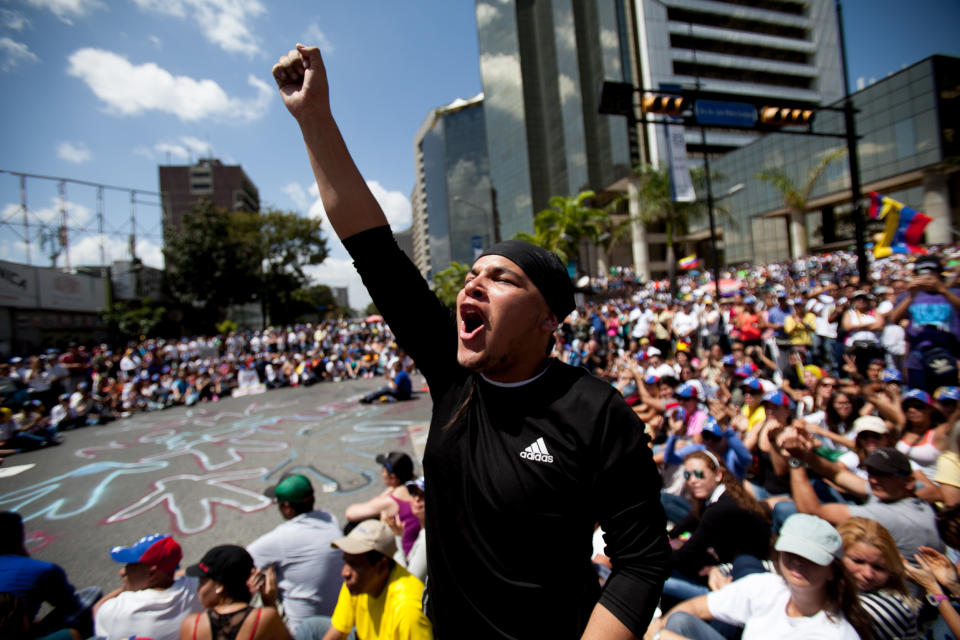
517 482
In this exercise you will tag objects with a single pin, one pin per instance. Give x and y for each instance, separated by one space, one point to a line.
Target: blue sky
105 90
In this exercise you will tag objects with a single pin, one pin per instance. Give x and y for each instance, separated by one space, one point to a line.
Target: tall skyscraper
453 206
542 64
785 50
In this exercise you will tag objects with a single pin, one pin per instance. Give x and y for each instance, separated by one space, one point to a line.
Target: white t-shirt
759 603
308 568
150 613
685 323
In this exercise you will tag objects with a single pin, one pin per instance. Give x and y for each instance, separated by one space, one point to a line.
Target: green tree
795 197
219 259
211 262
448 282
134 319
566 224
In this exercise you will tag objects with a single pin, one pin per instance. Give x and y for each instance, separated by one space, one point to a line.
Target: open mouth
471 322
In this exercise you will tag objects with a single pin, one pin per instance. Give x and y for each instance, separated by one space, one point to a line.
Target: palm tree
796 198
657 205
566 224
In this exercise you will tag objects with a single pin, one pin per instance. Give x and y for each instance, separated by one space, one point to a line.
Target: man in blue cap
515 436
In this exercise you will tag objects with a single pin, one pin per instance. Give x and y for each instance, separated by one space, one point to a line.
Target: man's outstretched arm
349 205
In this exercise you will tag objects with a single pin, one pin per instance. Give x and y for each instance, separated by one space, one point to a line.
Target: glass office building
452 202
909 128
542 64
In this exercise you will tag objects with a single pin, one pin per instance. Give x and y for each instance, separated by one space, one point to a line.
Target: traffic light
667 105
783 116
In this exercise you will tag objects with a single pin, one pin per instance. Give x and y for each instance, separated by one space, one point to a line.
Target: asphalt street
199 473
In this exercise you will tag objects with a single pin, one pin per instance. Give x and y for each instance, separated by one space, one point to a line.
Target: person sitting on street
400 386
227 582
394 501
307 568
379 598
151 601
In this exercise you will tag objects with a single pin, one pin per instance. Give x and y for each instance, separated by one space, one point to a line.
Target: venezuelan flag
903 231
690 262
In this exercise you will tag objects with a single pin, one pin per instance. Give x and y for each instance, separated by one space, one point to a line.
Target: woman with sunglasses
925 434
725 522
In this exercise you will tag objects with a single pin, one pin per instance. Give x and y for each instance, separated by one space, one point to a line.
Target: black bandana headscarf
545 271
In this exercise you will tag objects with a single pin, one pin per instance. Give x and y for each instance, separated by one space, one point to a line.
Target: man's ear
550 322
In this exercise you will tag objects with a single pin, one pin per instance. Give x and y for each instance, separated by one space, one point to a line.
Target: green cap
293 488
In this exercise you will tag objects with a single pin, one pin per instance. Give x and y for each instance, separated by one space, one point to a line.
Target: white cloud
13 54
13 20
314 36
129 89
66 10
86 251
197 146
225 23
395 205
157 42
77 214
77 153
173 150
297 193
339 272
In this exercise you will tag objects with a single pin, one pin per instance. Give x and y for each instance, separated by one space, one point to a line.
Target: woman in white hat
811 596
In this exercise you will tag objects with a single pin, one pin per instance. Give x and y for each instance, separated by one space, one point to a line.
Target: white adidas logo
537 451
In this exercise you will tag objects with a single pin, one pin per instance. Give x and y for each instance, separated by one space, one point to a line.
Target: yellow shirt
948 469
395 614
755 419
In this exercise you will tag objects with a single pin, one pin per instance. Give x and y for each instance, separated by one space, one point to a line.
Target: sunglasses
696 473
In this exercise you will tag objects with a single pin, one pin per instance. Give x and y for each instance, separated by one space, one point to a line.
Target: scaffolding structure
54 237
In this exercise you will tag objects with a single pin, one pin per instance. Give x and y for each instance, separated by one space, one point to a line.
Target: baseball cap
752 384
891 375
416 483
291 488
369 535
156 549
397 463
872 424
711 426
916 394
743 371
947 393
778 398
888 461
227 564
810 537
686 391
927 264
653 351
749 300
729 360
651 379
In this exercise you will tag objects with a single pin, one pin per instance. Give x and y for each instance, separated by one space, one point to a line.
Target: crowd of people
801 400
772 455
42 395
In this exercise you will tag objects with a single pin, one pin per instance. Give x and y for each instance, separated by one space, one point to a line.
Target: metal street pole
849 119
